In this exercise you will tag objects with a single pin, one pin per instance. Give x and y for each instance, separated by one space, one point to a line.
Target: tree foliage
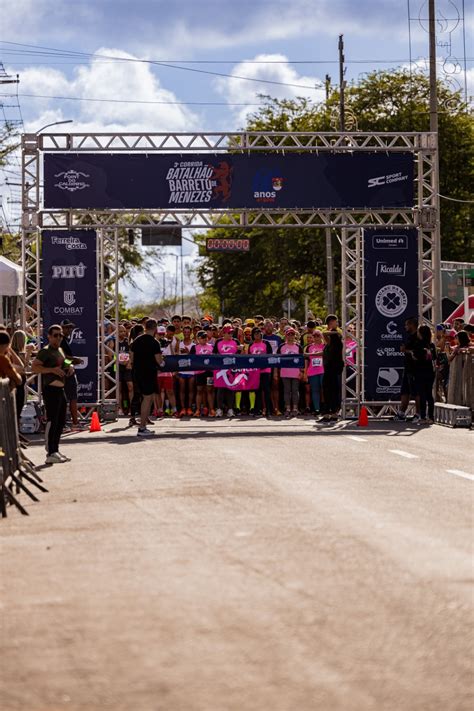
292 262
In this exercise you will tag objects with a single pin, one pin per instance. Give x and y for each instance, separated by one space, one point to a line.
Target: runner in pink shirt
314 368
205 389
258 346
291 376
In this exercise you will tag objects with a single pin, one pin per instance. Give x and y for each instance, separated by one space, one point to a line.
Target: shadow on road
235 429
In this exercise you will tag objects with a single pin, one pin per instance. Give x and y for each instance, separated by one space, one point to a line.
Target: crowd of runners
315 389
148 390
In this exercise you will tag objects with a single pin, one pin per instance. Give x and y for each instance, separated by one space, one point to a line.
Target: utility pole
436 254
341 82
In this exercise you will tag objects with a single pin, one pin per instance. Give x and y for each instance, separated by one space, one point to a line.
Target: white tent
11 287
11 278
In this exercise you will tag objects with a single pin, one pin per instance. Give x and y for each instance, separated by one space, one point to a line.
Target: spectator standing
333 363
408 388
23 352
53 366
424 356
7 369
70 384
146 357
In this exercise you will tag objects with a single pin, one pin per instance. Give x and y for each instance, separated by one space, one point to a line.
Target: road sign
289 304
166 235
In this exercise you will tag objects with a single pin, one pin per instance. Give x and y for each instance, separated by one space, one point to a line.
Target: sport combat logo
386 179
391 300
199 182
266 186
69 298
71 180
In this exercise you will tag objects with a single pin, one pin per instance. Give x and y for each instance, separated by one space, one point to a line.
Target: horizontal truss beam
209 219
232 141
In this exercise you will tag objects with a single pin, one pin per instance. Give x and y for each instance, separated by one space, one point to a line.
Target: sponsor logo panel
391 300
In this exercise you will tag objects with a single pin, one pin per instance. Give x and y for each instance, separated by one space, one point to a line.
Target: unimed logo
390 241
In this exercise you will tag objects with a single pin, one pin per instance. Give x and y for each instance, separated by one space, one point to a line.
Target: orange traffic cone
95 423
363 417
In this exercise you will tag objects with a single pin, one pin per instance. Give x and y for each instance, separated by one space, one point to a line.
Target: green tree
292 262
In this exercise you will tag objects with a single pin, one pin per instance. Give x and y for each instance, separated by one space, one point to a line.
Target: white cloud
99 80
290 84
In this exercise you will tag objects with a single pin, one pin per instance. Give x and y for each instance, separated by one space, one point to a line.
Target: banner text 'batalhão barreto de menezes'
223 181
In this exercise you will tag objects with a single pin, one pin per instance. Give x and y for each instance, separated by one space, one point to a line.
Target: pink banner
237 379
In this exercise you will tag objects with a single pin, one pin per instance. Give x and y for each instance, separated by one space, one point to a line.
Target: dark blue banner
216 362
172 181
391 296
69 285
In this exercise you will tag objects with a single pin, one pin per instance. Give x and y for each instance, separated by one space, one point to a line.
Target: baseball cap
227 328
249 322
161 329
290 330
67 322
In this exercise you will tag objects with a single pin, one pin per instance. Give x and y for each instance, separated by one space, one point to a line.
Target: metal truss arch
349 222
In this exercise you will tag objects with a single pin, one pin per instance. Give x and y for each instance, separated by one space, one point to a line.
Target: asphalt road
241 566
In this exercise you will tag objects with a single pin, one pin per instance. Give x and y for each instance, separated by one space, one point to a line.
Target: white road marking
458 472
357 439
402 453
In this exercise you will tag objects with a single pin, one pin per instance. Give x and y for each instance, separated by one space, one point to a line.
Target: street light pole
55 123
436 253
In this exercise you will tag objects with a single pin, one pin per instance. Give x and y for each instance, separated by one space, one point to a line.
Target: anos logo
266 186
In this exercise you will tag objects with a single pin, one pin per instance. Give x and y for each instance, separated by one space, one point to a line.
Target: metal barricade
15 467
461 379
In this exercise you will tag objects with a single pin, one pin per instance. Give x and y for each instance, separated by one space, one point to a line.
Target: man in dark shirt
408 389
52 364
145 359
70 384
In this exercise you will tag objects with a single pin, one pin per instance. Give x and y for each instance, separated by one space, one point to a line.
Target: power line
445 197
136 101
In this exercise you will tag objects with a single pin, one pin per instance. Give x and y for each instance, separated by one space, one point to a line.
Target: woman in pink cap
291 377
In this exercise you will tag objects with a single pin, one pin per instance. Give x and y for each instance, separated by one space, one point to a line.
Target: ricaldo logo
266 187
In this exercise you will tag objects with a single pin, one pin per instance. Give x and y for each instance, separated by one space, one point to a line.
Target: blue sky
84 49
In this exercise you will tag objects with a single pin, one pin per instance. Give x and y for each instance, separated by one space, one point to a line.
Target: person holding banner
226 345
259 346
204 378
291 377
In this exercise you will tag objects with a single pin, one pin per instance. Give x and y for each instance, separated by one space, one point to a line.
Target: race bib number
316 362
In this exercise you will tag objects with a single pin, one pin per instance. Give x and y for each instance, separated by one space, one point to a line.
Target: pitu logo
266 186
70 271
